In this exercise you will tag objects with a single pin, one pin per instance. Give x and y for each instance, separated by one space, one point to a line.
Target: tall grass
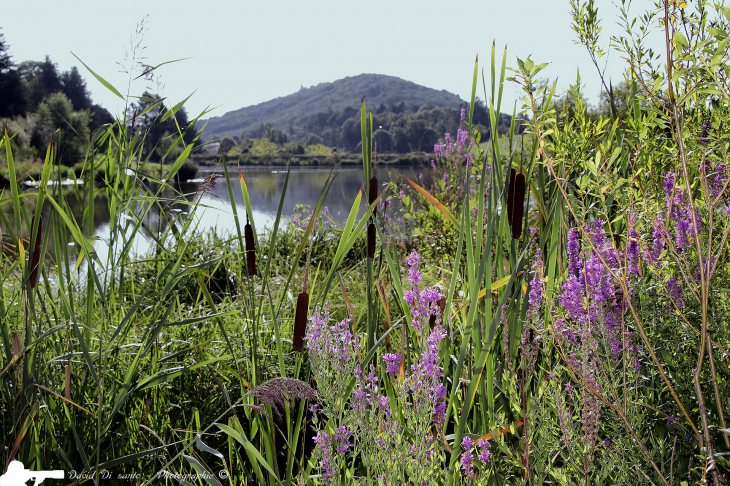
189 360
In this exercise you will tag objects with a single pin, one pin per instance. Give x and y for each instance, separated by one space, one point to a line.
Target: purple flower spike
536 285
392 363
484 453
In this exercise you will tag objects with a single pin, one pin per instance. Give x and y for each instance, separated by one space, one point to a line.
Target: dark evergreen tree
99 116
74 87
12 97
159 134
40 79
351 134
5 62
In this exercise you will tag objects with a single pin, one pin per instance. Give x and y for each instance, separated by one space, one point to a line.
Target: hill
388 92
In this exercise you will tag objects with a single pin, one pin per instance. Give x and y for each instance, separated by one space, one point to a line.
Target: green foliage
264 147
292 148
57 119
227 144
35 98
167 131
400 131
318 149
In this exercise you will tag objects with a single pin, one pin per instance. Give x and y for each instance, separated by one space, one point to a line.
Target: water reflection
265 185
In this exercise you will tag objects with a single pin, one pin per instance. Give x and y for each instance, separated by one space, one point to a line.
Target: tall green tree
5 62
74 87
159 134
12 99
58 121
40 79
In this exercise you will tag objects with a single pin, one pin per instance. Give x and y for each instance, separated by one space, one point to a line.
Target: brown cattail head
510 183
35 258
67 382
519 205
373 194
371 240
442 306
15 340
300 321
250 250
388 348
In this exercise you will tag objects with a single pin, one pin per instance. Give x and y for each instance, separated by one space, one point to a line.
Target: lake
265 185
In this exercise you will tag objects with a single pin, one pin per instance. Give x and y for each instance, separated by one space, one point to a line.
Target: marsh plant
392 452
560 318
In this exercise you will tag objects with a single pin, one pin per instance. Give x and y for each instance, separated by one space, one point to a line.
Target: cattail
36 255
67 382
300 321
15 340
388 348
300 318
373 194
519 205
510 182
442 306
371 240
250 250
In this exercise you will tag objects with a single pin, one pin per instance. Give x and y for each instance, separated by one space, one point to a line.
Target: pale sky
246 52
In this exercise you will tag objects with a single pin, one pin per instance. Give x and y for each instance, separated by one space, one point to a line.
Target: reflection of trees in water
264 188
305 186
152 224
74 207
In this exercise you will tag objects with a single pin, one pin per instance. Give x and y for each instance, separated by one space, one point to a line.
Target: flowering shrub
395 452
467 460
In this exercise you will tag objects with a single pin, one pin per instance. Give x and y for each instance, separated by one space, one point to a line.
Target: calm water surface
265 185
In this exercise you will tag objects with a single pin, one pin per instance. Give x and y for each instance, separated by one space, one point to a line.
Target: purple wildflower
654 254
705 135
536 285
324 443
467 458
719 181
668 185
392 363
573 251
342 439
332 351
422 303
484 453
439 150
675 292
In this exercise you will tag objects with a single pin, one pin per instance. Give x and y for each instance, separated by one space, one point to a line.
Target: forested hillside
395 130
387 92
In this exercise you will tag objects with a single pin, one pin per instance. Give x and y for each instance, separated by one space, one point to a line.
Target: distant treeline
38 103
309 160
397 129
